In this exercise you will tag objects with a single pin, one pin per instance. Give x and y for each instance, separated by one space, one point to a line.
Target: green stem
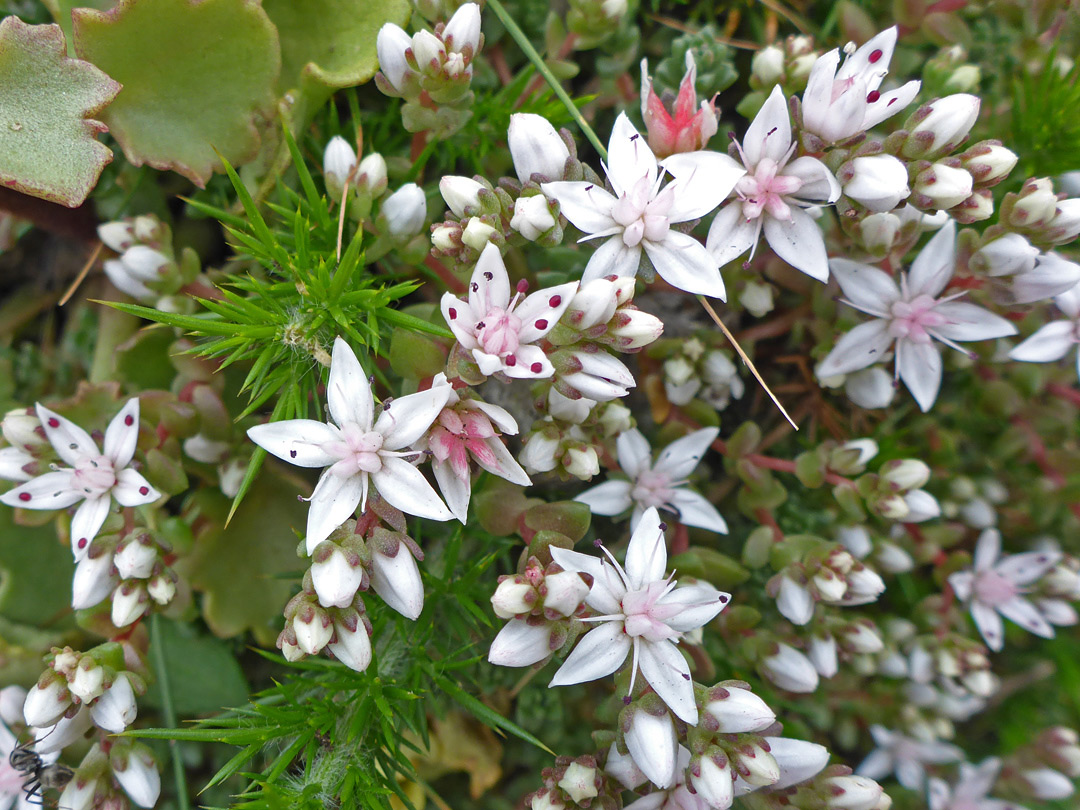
526 46
169 710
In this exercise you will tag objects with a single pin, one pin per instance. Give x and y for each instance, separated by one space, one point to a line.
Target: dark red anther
872 96
54 422
875 55
25 496
536 368
144 490
129 420
541 324
555 300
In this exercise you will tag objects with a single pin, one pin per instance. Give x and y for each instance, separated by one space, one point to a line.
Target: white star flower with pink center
772 195
905 756
910 315
661 485
640 611
94 477
358 450
499 331
994 587
971 789
640 214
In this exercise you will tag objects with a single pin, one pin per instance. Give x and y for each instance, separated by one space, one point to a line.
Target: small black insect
38 776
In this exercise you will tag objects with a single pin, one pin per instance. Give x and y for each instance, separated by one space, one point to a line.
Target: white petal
799 242
818 183
499 417
701 604
634 452
730 234
53 490
667 672
877 765
600 652
704 180
890 103
934 265
798 760
332 503
297 441
403 486
989 625
987 549
397 580
527 357
613 258
86 523
461 319
456 491
683 262
539 315
859 62
520 644
680 457
1024 569
695 510
769 134
646 555
629 156
608 498
120 437
490 285
505 465
1026 615
962 582
132 489
348 392
869 289
12 461
652 744
587 205
971 322
864 345
1051 342
794 601
920 369
406 419
70 441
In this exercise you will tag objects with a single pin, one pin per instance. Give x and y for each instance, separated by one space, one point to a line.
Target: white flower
969 792
905 756
358 450
838 104
660 485
640 214
501 332
94 478
910 315
1057 338
536 148
994 586
639 610
772 196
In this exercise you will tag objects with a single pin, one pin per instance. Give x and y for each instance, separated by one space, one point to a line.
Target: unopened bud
943 186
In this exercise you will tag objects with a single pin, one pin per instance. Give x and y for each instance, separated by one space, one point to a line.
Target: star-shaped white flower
358 450
661 485
640 610
639 215
995 584
772 195
94 477
1057 338
905 756
499 331
969 792
910 315
838 104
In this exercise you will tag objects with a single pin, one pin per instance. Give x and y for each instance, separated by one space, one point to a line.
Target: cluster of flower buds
576 783
956 664
540 603
146 268
1019 272
365 180
1043 770
566 448
896 491
108 767
29 452
787 63
133 572
693 369
889 555
482 216
310 628
823 572
433 67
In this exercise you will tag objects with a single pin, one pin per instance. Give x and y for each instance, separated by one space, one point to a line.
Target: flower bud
135 557
477 234
115 710
532 217
651 741
313 629
339 158
598 375
1047 784
921 506
739 710
47 700
130 601
822 653
93 579
1051 276
593 304
794 601
581 462
574 411
23 430
830 587
536 148
615 418
396 578
460 194
757 298
538 454
623 769
428 50
1008 254
879 182
989 162
756 765
712 780
906 474
767 66
81 795
943 186
579 782
789 669
336 575
88 682
940 125
352 644
878 232
117 236
391 44
864 586
161 588
852 793
798 760
404 211
862 638
370 175
513 596
138 775
1036 204
564 592
1065 226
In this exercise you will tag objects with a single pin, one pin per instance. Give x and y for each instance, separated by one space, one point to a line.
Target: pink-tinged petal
889 104
667 672
499 417
461 319
629 157
866 288
962 583
600 652
698 604
297 441
1023 569
613 258
532 364
683 262
817 97
406 419
977 780
920 369
53 490
731 234
704 180
1026 615
799 242
938 794
521 644
989 625
1051 342
490 285
587 205
635 455
455 490
608 498
695 510
540 311
503 464
86 523
863 346
646 555
680 457
769 134
404 486
987 550
122 434
970 322
332 503
348 392
1059 612
132 489
818 183
934 265
70 441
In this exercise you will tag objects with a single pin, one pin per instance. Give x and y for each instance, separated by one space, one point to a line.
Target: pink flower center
498 332
763 189
912 319
652 489
94 475
992 588
642 215
357 449
459 433
644 617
